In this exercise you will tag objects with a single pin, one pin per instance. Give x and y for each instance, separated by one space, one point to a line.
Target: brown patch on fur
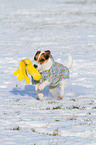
44 57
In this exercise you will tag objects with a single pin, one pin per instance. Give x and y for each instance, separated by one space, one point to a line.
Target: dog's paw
40 96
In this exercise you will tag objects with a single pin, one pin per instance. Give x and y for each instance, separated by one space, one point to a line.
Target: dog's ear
36 55
38 52
47 54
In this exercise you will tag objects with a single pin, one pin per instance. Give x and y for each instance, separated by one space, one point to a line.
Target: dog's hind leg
62 88
53 91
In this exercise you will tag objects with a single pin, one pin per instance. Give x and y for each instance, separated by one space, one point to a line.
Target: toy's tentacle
30 68
20 73
25 73
16 72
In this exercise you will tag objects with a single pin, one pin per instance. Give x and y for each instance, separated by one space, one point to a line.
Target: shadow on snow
74 90
28 90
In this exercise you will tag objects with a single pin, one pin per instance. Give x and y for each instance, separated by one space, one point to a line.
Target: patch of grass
83 108
37 98
58 107
33 130
72 119
51 102
88 120
48 108
73 100
89 113
17 128
73 107
5 113
57 120
93 107
77 107
55 132
91 103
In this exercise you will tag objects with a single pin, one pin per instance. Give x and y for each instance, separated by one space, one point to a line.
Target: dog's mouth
36 65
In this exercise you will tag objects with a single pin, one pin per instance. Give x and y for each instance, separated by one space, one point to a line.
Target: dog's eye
42 60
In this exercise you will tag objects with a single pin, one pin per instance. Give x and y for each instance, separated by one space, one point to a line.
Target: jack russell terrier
52 74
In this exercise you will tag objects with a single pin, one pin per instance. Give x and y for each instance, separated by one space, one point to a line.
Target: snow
64 27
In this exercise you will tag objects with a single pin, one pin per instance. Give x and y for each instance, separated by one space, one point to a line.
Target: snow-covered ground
62 26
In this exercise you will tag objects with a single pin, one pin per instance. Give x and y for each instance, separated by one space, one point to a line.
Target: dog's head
42 60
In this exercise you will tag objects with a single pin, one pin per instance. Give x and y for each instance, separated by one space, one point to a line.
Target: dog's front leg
40 87
43 85
39 93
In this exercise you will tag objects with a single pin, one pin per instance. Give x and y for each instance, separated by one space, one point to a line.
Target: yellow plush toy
25 66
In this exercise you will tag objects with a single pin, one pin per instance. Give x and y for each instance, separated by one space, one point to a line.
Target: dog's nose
35 66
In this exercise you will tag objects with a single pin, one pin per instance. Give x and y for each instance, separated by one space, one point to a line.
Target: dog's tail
69 63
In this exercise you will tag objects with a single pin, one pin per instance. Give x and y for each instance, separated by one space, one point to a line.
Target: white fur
46 66
39 55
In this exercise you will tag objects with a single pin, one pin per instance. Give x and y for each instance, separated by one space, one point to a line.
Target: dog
53 74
